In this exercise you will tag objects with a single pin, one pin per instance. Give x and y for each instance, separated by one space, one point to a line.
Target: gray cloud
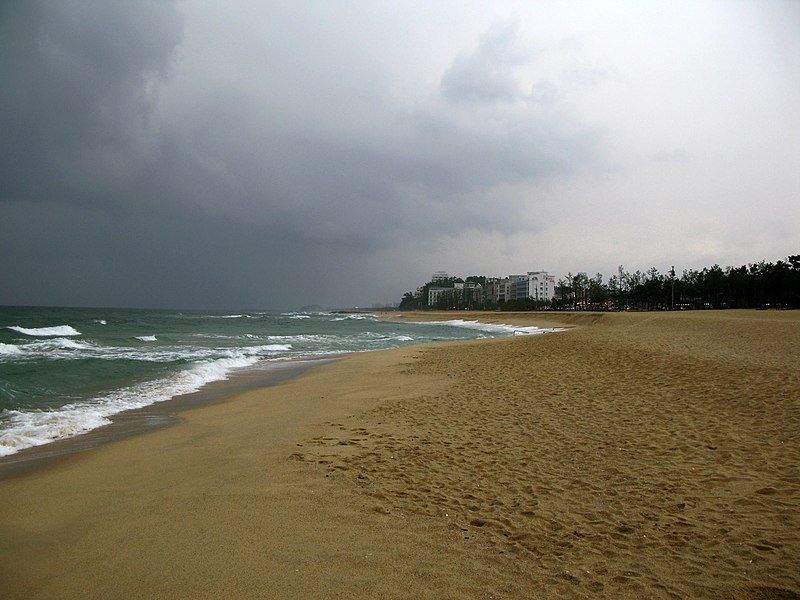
79 94
485 75
129 192
187 155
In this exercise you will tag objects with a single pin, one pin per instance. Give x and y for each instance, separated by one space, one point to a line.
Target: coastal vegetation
757 285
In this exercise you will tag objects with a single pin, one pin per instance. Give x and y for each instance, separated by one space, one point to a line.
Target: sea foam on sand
496 327
26 428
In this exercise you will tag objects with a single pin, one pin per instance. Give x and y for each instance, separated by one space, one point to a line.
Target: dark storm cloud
77 97
257 154
128 178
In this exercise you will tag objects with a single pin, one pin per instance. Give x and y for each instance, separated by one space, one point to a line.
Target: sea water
66 371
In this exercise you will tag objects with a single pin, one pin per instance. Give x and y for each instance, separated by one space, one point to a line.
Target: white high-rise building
537 285
541 285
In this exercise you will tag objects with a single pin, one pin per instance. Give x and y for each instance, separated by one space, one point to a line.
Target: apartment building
435 293
537 285
497 290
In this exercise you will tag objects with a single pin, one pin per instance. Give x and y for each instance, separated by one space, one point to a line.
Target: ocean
67 371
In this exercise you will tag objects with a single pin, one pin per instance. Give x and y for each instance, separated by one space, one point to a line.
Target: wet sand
154 416
635 455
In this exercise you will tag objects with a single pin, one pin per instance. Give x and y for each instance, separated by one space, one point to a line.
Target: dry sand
635 455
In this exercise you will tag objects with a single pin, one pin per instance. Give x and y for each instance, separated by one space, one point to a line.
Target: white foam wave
67 349
146 338
10 350
45 331
266 349
300 317
101 321
500 328
303 337
26 428
59 344
356 317
50 348
223 336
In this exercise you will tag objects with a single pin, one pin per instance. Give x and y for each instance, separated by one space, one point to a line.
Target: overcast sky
257 154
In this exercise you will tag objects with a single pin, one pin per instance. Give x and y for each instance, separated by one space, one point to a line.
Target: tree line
451 299
758 285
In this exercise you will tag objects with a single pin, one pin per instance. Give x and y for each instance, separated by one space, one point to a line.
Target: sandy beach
633 455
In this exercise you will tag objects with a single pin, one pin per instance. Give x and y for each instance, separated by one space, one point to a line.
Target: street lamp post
672 292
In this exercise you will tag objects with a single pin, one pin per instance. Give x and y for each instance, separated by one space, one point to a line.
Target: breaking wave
356 317
45 331
27 428
67 349
9 350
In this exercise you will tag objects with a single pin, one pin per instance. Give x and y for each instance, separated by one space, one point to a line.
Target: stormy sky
258 154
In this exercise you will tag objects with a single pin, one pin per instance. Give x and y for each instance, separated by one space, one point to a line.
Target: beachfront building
541 285
460 294
490 289
504 290
537 285
437 293
472 295
446 291
518 288
497 290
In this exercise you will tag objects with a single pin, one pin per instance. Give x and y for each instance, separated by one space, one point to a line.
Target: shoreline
165 413
155 416
643 455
